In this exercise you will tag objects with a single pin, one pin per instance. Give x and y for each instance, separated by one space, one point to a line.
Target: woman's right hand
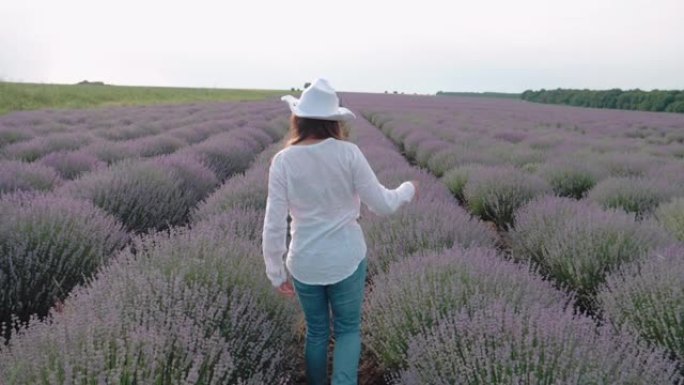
415 184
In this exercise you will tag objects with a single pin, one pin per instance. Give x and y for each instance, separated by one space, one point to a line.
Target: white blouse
321 185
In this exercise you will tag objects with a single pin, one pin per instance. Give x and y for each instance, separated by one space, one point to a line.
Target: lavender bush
141 194
458 156
420 226
620 164
570 177
155 145
9 135
413 140
196 180
206 253
229 153
256 138
648 298
247 191
517 155
152 330
71 164
109 152
49 245
128 130
427 149
496 344
457 178
244 223
671 215
577 243
276 127
195 133
416 292
17 175
511 136
637 195
494 193
190 305
33 149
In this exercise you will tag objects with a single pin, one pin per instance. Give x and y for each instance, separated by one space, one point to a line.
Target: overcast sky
372 45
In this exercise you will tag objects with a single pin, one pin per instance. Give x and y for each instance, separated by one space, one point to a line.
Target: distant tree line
656 100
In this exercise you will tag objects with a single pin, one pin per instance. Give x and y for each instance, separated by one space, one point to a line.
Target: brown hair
309 128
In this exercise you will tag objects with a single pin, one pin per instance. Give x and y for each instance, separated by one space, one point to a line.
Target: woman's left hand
286 289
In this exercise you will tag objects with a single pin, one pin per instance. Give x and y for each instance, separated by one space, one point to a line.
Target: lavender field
546 247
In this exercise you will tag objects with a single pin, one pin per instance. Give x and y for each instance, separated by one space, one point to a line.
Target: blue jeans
345 298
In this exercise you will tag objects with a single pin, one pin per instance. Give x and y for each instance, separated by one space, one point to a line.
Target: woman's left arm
275 224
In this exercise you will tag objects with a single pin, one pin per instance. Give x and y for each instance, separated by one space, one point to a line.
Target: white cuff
407 191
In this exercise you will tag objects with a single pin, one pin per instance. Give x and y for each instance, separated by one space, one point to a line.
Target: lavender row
192 305
49 244
224 153
147 133
495 344
51 240
241 217
187 307
423 283
594 155
577 243
35 150
617 247
646 297
161 191
576 247
125 123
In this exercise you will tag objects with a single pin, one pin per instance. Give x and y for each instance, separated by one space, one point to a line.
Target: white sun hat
318 101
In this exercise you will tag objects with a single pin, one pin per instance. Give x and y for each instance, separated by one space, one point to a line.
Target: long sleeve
379 199
275 224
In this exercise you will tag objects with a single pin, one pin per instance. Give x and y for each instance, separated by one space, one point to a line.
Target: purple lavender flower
576 243
71 164
647 297
141 194
419 290
50 244
35 148
10 134
155 145
496 344
637 195
22 176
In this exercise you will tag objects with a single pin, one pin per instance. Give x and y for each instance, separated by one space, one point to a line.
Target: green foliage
569 178
647 298
671 215
656 100
31 96
456 180
495 193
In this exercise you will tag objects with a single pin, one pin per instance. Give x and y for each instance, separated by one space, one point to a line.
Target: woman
320 180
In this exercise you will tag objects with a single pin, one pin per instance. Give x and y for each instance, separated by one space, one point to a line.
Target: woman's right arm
379 199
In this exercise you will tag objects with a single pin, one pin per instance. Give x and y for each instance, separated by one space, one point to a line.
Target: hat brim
342 113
